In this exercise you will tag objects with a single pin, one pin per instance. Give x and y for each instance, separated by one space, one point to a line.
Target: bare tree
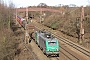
6 39
42 5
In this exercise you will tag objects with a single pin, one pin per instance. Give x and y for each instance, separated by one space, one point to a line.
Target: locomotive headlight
57 49
47 49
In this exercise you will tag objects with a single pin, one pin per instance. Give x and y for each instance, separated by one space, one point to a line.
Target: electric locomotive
48 43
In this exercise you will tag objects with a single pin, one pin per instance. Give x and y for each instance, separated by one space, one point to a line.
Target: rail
28 49
74 45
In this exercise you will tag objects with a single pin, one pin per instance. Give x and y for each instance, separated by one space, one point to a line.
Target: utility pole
26 30
27 14
41 16
82 26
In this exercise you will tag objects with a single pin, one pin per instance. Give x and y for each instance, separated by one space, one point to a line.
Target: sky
24 3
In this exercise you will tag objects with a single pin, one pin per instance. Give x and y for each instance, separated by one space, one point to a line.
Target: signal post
27 37
81 26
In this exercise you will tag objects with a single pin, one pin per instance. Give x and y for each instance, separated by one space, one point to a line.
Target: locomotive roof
46 35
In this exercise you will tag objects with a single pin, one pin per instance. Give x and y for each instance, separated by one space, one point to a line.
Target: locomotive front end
52 47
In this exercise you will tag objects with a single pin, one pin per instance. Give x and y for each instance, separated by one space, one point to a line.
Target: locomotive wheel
43 51
41 48
38 45
48 55
36 42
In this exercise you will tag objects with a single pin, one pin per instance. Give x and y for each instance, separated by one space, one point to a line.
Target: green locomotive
48 43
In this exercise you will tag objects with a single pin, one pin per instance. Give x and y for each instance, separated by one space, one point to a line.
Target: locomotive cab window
51 43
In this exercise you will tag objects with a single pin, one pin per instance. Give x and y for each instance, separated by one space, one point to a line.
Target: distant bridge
38 9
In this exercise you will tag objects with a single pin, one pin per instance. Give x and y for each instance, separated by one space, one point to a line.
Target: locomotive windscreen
52 43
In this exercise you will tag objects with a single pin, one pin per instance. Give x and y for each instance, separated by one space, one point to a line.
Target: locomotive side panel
42 42
37 37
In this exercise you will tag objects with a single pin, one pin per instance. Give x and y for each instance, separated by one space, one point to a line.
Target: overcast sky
24 3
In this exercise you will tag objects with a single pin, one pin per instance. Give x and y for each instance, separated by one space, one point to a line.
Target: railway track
27 48
64 51
68 42
69 55
55 58
33 56
76 46
30 51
